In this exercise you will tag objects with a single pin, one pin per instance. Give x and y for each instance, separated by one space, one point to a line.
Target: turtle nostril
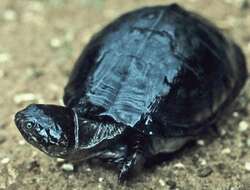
18 116
20 119
17 120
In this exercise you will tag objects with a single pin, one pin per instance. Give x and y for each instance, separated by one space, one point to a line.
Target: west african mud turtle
144 85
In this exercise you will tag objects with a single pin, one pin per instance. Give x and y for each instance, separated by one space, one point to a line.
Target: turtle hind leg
136 156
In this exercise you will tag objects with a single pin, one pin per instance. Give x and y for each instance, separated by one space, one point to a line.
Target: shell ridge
100 80
140 49
122 96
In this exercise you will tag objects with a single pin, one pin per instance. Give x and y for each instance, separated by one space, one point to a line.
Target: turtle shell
159 70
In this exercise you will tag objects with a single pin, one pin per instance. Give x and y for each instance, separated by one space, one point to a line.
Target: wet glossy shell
160 70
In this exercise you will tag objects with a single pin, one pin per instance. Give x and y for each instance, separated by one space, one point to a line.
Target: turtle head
49 128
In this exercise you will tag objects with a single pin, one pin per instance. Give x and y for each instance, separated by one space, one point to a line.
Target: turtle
144 85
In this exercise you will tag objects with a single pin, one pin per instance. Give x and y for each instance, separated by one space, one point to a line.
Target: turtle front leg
136 156
114 155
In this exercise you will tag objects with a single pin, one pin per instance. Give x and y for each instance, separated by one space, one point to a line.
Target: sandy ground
39 41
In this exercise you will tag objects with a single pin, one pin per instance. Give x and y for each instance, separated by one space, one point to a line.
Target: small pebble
9 15
35 6
200 142
243 126
232 187
60 160
247 166
5 161
223 132
71 177
21 142
204 172
162 183
55 43
226 151
240 144
88 170
202 161
68 167
4 57
99 186
33 73
100 179
179 165
19 98
235 114
69 36
32 17
60 101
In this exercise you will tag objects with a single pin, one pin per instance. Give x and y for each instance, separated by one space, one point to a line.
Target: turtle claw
123 175
125 172
131 167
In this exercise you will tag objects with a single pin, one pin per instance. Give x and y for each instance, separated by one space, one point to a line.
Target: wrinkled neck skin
89 140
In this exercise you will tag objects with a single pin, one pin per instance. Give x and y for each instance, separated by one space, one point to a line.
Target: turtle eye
29 125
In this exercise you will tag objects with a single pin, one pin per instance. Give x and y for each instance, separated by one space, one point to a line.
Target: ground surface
39 41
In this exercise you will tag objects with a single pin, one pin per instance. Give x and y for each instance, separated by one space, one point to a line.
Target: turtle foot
131 167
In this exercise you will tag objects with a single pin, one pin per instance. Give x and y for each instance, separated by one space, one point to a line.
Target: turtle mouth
20 124
18 120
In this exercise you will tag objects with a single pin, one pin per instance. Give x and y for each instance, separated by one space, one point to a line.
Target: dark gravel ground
39 41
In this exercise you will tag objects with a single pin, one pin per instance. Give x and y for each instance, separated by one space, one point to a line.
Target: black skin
51 128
